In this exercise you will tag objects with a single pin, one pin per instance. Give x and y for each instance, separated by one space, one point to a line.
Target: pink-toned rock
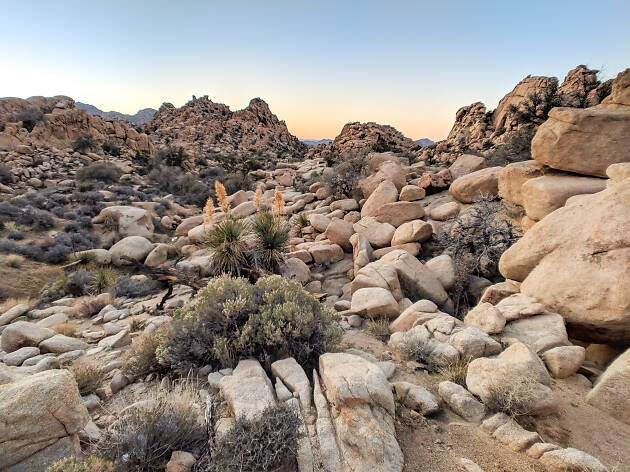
386 192
473 187
513 176
412 231
466 164
398 213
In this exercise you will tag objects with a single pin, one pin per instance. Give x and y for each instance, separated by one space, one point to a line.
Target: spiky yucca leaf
229 242
271 237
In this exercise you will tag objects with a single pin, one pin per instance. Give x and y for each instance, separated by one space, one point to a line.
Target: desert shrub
143 438
84 143
475 240
271 240
91 464
104 278
38 220
536 107
88 375
299 221
5 174
515 398
382 145
171 156
67 328
30 252
378 327
8 211
235 182
234 318
229 243
15 235
29 117
101 171
88 306
175 181
141 359
266 443
239 163
418 350
343 179
454 372
56 254
53 290
14 261
79 283
134 287
112 148
516 147
90 198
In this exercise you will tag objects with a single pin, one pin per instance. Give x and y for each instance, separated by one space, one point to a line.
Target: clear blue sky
319 64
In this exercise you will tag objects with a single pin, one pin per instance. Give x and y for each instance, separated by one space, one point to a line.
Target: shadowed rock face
202 125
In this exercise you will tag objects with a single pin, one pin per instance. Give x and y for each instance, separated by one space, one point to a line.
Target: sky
318 64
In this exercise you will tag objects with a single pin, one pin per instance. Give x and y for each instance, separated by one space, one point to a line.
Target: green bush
267 443
233 318
101 171
229 243
91 464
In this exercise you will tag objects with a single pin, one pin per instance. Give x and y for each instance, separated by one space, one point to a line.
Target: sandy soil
435 444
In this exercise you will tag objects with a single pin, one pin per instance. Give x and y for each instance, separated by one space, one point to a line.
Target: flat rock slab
248 390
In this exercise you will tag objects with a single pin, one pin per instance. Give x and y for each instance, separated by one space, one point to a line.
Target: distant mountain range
316 142
141 117
424 142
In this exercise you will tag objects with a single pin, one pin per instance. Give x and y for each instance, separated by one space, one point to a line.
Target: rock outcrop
202 126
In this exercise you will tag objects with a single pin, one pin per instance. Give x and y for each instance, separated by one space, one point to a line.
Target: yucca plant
300 221
271 240
104 278
229 242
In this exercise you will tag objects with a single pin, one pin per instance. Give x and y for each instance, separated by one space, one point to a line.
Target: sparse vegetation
343 178
14 261
378 327
271 240
134 286
143 438
229 242
171 156
514 399
104 278
264 444
299 221
91 464
475 240
233 318
100 171
111 148
5 174
141 359
454 372
88 374
84 143
29 117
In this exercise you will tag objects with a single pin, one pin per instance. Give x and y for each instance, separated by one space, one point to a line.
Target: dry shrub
88 306
141 360
67 328
13 260
144 437
91 464
454 372
13 301
268 443
378 327
88 374
514 399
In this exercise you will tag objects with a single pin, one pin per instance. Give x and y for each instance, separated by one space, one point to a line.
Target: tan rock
611 392
466 164
374 302
513 176
339 232
412 231
131 221
485 317
376 274
398 213
444 269
386 192
361 251
542 195
564 361
577 262
23 334
410 193
378 234
472 187
445 211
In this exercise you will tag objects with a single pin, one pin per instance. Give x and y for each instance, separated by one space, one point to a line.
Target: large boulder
473 187
361 251
134 247
466 164
363 413
376 274
23 334
397 213
584 140
513 176
378 234
131 221
339 232
40 417
576 261
412 231
248 391
547 193
416 280
386 192
374 302
611 392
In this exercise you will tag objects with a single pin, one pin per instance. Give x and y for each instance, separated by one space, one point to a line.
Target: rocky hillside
518 114
139 118
202 127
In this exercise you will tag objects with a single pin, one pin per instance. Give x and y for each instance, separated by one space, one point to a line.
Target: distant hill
424 142
316 142
141 117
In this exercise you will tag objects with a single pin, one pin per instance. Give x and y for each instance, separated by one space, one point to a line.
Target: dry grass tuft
88 374
141 359
88 306
13 260
514 399
67 328
378 327
454 372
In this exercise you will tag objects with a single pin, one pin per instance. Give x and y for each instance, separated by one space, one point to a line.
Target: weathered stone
514 175
411 193
417 398
60 344
564 361
611 392
461 401
378 234
339 232
13 313
248 390
485 317
473 187
134 247
386 192
16 358
541 332
23 334
131 221
444 269
374 302
376 274
412 231
466 164
294 377
397 213
571 460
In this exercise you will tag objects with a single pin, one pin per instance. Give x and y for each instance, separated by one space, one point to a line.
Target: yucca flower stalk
208 211
222 197
258 198
278 203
